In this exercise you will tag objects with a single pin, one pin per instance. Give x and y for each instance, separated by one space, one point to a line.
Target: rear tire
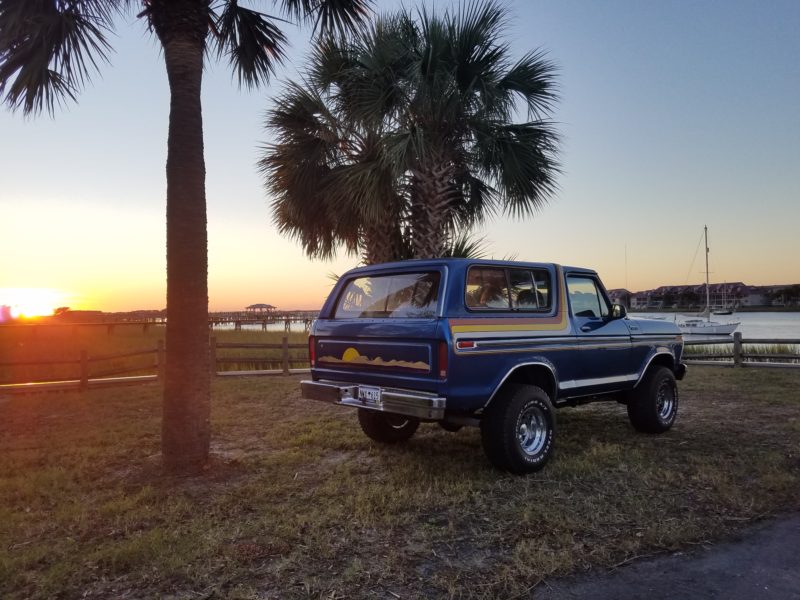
518 429
386 428
653 404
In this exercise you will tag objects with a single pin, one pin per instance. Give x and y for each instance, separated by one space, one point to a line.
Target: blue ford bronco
493 344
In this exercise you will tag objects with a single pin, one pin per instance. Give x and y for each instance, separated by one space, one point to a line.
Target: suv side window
586 298
501 288
530 290
487 288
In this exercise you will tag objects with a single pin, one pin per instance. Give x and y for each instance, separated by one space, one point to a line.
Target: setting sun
31 302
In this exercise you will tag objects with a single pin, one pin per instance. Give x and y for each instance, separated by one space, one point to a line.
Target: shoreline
747 309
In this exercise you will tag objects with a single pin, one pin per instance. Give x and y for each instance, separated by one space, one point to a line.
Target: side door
603 344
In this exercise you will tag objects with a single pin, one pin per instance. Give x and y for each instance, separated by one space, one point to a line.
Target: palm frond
533 79
327 177
466 245
330 16
49 49
520 158
253 43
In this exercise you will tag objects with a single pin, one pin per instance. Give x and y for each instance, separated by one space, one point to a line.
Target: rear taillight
312 351
443 358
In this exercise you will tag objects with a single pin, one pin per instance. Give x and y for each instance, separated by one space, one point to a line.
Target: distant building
620 296
728 295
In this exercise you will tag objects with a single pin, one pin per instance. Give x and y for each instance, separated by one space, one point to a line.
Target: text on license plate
369 395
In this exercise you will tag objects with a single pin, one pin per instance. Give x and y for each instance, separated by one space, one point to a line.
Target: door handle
586 328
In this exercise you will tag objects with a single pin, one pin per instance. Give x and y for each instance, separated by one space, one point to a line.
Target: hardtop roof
422 263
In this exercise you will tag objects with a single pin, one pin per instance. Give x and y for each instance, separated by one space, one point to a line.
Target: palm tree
458 139
443 94
48 50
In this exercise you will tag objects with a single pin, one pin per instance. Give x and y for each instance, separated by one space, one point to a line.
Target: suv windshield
396 296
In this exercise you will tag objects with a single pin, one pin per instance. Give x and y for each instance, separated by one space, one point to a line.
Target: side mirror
618 311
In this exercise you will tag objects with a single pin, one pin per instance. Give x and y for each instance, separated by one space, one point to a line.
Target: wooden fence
285 358
738 357
89 376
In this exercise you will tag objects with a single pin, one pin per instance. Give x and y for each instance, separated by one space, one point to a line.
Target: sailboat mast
708 290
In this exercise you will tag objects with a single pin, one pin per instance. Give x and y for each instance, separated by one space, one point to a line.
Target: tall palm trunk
432 201
383 241
186 403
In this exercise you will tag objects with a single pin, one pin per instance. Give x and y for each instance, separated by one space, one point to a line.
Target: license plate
369 395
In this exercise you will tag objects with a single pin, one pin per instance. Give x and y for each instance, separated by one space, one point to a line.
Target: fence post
285 354
161 362
212 356
84 369
737 349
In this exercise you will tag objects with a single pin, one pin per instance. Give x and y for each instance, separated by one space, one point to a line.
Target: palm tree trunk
186 403
382 241
432 209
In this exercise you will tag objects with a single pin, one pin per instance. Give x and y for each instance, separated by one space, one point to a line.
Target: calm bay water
783 325
296 326
772 325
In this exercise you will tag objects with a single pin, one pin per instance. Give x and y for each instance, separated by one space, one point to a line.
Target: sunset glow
659 137
31 302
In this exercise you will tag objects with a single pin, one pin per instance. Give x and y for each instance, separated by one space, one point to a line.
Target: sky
673 115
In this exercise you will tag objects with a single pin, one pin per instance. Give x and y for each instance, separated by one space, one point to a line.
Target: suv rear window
395 296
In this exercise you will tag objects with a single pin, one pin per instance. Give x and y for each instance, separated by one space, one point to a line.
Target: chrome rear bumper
411 403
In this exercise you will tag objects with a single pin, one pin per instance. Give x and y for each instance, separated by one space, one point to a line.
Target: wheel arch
663 358
540 373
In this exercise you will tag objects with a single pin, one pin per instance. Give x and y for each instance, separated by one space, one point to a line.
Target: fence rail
90 377
739 358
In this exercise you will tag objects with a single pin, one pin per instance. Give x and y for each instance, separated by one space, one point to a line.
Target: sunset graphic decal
353 356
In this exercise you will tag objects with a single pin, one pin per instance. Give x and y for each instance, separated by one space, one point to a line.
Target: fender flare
539 361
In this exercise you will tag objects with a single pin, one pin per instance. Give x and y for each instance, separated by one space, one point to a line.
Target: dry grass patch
298 503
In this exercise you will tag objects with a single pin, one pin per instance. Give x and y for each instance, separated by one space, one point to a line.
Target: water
764 325
279 326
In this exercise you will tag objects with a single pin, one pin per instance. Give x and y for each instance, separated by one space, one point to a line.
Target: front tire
386 428
653 404
518 429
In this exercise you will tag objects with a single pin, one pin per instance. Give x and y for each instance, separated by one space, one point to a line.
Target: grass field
299 504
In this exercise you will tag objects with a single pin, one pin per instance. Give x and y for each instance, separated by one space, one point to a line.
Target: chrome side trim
410 403
529 345
580 383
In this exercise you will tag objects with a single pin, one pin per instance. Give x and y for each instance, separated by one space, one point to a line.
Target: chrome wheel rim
665 401
396 421
532 430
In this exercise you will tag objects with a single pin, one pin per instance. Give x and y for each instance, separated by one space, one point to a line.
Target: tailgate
386 352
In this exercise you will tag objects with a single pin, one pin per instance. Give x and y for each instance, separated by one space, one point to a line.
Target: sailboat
705 326
724 309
